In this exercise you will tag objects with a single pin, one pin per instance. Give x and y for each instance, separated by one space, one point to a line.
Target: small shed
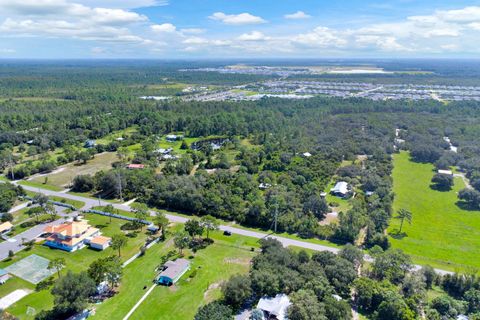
173 271
4 276
100 242
447 172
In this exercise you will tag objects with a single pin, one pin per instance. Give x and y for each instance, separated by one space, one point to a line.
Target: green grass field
63 178
76 261
441 234
226 257
39 185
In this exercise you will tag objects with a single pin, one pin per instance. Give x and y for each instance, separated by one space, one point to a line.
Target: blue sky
238 29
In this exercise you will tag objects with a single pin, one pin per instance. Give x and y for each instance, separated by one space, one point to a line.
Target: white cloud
195 41
297 15
98 50
164 28
237 19
192 31
124 4
253 36
321 37
7 51
474 26
465 15
62 19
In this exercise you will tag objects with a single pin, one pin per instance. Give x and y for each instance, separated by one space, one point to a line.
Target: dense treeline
328 286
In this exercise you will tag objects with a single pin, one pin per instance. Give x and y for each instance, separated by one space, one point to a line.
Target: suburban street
89 203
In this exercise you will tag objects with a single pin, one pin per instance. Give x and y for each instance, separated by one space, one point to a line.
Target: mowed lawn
63 177
441 234
226 257
75 261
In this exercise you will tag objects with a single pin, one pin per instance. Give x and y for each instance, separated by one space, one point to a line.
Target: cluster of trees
372 209
318 286
72 292
8 195
191 236
328 286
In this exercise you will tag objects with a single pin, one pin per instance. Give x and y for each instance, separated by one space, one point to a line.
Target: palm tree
402 215
57 264
119 241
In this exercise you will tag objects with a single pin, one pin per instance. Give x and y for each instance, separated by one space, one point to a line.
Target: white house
100 242
274 308
340 189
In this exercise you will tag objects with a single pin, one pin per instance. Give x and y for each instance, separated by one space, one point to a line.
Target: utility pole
11 166
276 215
99 198
119 186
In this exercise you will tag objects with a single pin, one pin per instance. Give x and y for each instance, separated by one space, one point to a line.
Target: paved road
259 235
15 243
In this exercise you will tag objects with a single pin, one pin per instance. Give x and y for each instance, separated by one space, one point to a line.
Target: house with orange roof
100 242
70 236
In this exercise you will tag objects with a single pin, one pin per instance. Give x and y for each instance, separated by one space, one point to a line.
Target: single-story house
135 166
100 242
4 276
340 189
447 172
306 154
70 236
274 308
173 271
6 227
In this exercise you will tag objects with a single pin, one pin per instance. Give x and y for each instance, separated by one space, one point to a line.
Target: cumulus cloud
253 36
237 19
297 15
62 19
195 41
321 37
164 28
192 31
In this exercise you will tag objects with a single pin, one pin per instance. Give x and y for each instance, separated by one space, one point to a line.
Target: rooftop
100 240
5 226
175 268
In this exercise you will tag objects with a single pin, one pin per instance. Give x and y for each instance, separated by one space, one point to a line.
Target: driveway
15 243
